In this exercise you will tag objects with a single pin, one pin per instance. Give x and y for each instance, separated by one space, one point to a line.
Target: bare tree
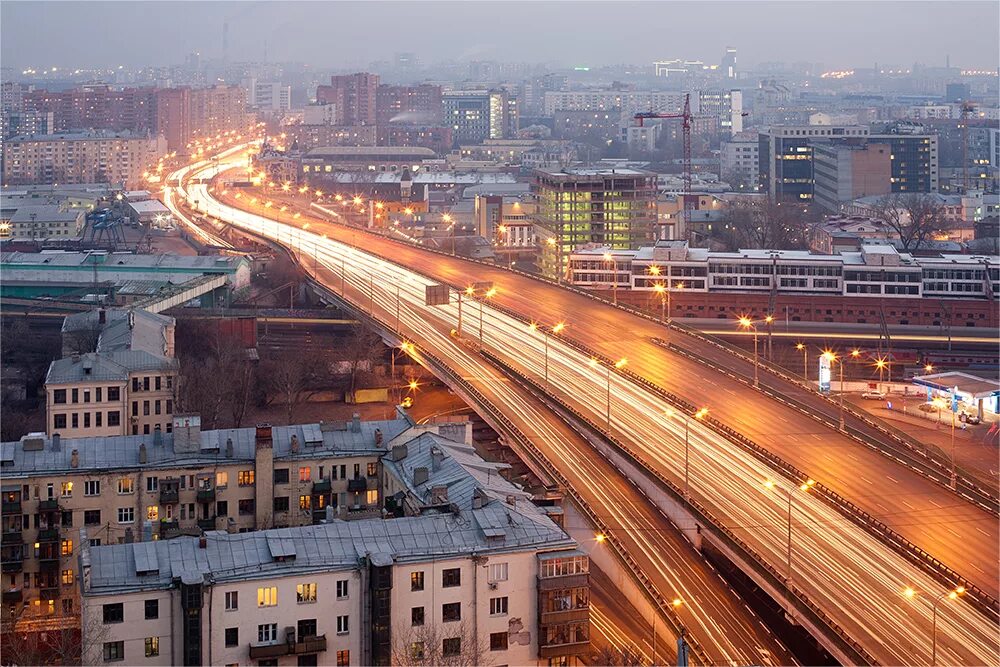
914 217
617 657
200 389
361 347
762 222
84 339
240 378
64 644
454 645
290 374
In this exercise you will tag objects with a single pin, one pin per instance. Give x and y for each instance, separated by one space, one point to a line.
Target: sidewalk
975 449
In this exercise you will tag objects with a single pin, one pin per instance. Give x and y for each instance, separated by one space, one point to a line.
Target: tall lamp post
618 364
790 491
801 347
833 358
699 414
748 323
545 343
951 595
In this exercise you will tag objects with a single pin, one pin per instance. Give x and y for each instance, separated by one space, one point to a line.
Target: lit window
267 596
67 489
152 646
124 485
305 474
245 477
221 479
305 593
152 513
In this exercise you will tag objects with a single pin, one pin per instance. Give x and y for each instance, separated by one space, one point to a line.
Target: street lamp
881 365
953 594
809 483
545 338
610 259
747 323
489 294
832 358
805 360
618 364
699 414
664 291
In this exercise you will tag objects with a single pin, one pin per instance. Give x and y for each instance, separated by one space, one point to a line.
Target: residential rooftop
105 366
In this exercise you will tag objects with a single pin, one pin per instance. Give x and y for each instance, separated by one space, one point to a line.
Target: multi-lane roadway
848 572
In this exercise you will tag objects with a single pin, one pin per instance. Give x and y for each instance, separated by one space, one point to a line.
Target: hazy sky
570 32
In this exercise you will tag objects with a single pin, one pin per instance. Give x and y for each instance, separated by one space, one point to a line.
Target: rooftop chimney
102 316
74 460
142 453
263 436
378 437
229 448
478 499
56 442
420 476
187 433
356 423
437 457
157 437
202 542
294 445
439 494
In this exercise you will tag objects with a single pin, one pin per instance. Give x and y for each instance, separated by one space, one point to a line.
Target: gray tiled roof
110 452
104 366
146 334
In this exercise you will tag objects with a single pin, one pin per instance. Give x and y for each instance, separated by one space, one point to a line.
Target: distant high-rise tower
728 65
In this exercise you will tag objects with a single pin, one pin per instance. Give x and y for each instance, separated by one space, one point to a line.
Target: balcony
48 535
12 565
206 495
565 647
49 593
49 505
357 485
567 615
11 537
13 596
12 507
169 529
265 651
322 486
207 524
309 645
169 494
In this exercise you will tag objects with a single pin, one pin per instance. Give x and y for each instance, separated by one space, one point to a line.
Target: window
59 396
305 593
246 506
305 474
152 483
232 636
417 651
152 609
97 396
152 512
66 578
343 658
157 381
451 577
281 475
267 633
91 517
66 489
451 647
66 547
114 613
373 469
145 408
76 395
59 421
244 478
498 572
498 641
305 502
267 596
114 393
222 508
114 651
126 514
371 496
417 581
342 589
86 420
152 646
281 504
221 480
451 611
95 541
498 606
125 485
232 600
416 616
343 625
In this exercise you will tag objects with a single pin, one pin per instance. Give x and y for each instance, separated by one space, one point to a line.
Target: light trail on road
856 579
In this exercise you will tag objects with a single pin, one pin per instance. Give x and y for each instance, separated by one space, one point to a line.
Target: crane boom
686 118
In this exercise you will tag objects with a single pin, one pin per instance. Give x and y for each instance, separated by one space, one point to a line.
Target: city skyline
156 33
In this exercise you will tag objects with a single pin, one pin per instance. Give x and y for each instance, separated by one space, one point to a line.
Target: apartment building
457 565
42 221
82 157
477 115
355 96
177 480
616 100
739 161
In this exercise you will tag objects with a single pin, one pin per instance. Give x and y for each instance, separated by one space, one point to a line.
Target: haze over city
477 333
351 34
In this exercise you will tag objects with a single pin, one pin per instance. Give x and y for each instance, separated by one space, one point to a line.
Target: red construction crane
686 118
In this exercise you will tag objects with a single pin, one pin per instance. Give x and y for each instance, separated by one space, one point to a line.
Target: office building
626 102
785 157
847 170
914 160
421 551
437 138
726 106
728 64
410 105
268 96
40 222
355 96
309 136
477 115
83 157
606 207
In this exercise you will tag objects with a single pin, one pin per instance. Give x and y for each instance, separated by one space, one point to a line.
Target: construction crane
686 118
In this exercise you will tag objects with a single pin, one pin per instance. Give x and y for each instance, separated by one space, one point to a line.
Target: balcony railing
322 486
48 535
12 565
13 596
169 529
12 507
207 524
206 495
169 494
357 485
265 651
11 537
48 505
49 593
313 644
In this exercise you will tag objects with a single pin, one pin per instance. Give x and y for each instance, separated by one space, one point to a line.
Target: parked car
927 407
874 395
969 418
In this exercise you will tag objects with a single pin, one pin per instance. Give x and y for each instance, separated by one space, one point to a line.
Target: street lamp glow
621 363
880 364
745 321
599 537
701 413
413 384
909 592
677 602
408 211
929 367
357 201
654 270
769 319
558 327
855 353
